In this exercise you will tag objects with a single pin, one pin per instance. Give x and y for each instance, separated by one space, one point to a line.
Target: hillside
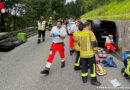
112 11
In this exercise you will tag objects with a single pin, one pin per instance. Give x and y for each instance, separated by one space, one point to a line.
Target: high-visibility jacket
127 68
41 26
86 37
76 44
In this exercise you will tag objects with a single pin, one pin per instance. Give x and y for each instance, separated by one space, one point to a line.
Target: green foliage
118 9
33 10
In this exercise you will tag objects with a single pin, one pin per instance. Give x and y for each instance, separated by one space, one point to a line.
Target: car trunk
102 29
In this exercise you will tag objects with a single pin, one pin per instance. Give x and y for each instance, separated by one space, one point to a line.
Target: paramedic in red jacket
74 28
58 33
110 43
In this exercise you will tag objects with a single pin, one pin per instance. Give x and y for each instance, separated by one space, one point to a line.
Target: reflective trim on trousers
84 74
94 71
77 64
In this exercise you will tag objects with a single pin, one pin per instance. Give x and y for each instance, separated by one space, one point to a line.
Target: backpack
99 69
126 70
101 53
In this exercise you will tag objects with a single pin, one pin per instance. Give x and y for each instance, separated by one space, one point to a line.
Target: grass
113 11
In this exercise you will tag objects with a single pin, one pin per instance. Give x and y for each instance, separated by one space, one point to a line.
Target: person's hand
112 41
55 35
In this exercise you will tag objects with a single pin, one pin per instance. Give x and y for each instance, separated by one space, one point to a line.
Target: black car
102 28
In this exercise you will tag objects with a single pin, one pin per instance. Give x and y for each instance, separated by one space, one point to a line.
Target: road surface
20 70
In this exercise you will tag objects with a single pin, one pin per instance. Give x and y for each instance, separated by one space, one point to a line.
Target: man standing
41 29
58 33
88 46
79 20
50 23
73 29
77 48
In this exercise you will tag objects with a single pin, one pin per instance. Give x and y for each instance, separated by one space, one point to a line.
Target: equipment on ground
126 70
99 69
17 43
5 47
101 53
22 36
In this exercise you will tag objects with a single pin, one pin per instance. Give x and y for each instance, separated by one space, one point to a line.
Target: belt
59 43
71 34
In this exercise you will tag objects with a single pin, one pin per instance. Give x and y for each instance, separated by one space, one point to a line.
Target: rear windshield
103 25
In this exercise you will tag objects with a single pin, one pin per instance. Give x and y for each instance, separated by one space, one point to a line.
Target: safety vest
50 21
86 48
41 26
76 44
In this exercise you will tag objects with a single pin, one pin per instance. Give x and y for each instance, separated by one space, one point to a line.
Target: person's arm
72 29
112 41
94 42
108 40
50 35
63 35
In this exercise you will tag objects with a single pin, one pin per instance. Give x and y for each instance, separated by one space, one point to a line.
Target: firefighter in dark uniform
88 46
77 48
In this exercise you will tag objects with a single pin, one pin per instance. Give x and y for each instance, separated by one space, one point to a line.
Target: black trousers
41 33
92 65
77 61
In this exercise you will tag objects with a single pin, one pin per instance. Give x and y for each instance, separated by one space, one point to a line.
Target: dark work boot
95 82
45 71
84 79
43 39
63 64
76 68
38 41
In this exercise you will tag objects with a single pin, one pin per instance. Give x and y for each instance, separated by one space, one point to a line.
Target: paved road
19 70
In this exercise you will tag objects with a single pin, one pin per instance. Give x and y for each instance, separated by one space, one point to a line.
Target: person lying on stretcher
110 43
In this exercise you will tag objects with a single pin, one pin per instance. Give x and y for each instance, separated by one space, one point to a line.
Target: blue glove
55 35
112 41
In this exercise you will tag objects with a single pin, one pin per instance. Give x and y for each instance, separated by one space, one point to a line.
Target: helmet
42 17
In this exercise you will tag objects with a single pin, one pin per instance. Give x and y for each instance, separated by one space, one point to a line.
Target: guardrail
12 36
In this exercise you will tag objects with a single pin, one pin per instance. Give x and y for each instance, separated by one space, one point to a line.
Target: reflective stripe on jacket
76 44
86 37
